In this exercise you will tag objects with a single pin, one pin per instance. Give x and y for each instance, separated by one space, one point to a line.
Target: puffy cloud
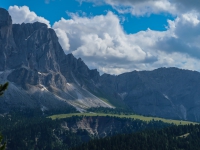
185 35
147 7
23 14
139 7
63 39
142 7
185 5
102 43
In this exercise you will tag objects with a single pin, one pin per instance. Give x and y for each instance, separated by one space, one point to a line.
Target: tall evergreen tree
3 88
2 146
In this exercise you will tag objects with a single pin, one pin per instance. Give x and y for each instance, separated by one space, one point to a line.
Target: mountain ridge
39 70
42 76
164 92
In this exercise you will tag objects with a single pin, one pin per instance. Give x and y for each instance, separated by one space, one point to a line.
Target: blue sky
54 10
117 36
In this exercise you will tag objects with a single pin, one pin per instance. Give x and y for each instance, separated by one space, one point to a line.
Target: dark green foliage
38 133
3 88
111 110
164 139
29 130
36 112
2 146
69 109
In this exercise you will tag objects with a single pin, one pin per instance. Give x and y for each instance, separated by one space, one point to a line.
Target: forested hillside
185 137
24 131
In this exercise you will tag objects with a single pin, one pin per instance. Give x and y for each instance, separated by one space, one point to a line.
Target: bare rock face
22 76
40 73
98 127
39 45
7 44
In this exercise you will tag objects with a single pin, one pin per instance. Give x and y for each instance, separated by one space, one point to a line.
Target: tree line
185 137
40 133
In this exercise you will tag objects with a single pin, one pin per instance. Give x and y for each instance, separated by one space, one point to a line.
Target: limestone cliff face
39 45
7 44
70 65
99 127
34 63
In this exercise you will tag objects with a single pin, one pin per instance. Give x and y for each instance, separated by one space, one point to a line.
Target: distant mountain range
42 76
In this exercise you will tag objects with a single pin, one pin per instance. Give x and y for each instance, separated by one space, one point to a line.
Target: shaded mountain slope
41 75
165 92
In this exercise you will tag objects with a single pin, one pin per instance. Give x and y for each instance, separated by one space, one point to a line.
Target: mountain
164 92
42 76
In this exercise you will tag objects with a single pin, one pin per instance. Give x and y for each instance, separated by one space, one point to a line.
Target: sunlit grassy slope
177 122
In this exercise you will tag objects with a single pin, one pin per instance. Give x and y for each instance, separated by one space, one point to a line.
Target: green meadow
140 117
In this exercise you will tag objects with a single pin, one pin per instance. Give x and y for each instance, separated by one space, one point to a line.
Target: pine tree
2 146
3 88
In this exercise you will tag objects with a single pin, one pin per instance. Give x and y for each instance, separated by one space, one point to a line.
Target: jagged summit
42 76
39 72
5 18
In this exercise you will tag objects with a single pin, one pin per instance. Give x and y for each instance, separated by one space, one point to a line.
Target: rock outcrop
7 44
41 75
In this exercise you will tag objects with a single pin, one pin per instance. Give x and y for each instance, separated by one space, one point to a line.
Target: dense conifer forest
33 130
185 137
126 111
30 130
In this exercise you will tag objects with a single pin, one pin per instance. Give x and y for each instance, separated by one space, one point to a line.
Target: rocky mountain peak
5 18
7 44
38 47
40 73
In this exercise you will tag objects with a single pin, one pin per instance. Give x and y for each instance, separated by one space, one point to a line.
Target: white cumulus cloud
185 35
142 7
101 41
63 39
103 44
24 15
147 7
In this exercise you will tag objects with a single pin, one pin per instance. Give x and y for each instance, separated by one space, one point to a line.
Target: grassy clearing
177 122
